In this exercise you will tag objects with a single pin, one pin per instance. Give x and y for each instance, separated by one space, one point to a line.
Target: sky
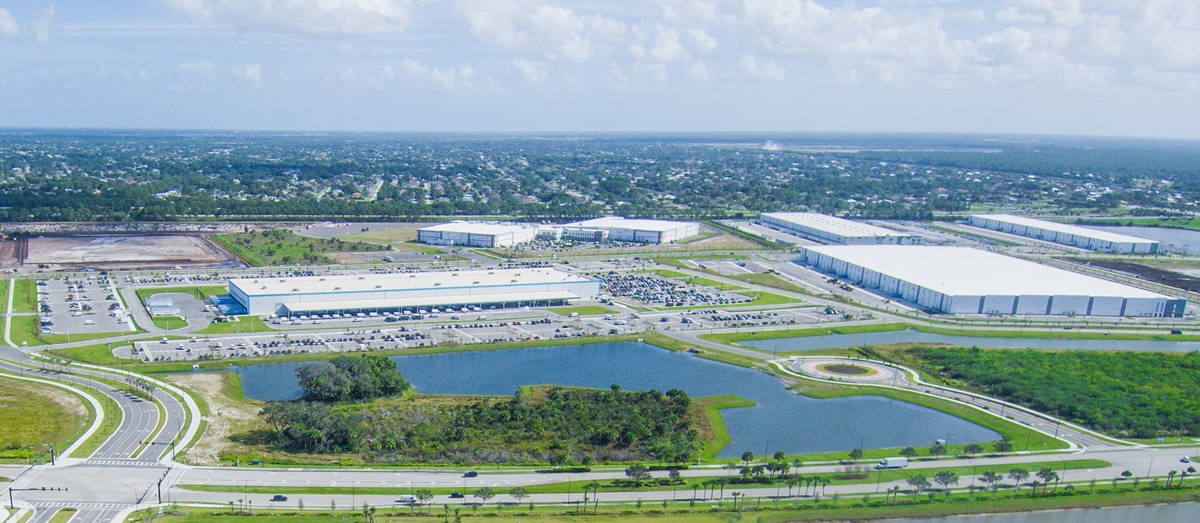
1092 67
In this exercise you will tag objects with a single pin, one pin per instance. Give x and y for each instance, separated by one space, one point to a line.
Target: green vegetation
201 292
548 424
24 330
4 283
715 436
881 506
582 310
767 298
1146 221
169 322
1141 394
350 379
236 324
283 247
37 415
24 295
64 515
734 337
771 280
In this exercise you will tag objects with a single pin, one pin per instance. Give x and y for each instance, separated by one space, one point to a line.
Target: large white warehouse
961 280
477 234
1081 237
831 229
413 291
637 231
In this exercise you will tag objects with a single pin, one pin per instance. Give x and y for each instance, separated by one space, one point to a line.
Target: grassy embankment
931 505
734 337
200 292
582 310
37 415
24 296
282 247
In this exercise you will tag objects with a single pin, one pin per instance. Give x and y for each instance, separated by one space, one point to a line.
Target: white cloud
701 71
534 72
765 70
314 17
43 25
8 25
558 33
666 48
448 78
250 74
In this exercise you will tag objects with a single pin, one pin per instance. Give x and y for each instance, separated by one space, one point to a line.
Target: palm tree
918 482
791 483
1018 475
945 478
1047 475
796 464
747 457
1002 446
990 477
594 486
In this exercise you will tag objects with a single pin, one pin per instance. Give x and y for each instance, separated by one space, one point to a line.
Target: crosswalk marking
65 504
121 463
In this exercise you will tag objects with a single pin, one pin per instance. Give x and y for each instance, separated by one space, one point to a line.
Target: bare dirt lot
127 251
1179 280
227 415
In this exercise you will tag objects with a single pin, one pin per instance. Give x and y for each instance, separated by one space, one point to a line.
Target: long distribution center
497 288
477 234
961 280
638 231
831 229
1081 237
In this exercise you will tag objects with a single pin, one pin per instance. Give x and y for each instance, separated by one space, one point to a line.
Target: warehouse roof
428 301
833 224
475 227
402 281
617 222
962 271
1065 228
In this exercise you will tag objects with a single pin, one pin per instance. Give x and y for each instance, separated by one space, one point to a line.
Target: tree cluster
350 379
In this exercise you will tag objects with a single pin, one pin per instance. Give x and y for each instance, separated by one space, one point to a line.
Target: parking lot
80 305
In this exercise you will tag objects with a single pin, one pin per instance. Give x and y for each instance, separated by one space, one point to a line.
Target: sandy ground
226 416
182 249
70 404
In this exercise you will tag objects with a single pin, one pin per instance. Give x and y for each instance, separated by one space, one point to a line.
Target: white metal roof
1065 228
463 227
428 301
833 224
402 281
617 222
963 271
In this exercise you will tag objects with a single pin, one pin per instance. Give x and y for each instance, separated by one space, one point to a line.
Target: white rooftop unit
831 229
970 281
1065 234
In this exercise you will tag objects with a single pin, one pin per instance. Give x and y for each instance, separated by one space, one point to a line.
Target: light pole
134 490
766 448
1151 464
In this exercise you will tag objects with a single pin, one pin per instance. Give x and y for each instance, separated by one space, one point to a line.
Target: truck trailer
892 463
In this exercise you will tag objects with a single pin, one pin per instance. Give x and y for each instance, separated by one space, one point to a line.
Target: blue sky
1109 67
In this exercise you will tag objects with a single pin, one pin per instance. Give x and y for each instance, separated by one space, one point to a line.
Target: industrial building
831 229
477 234
616 228
961 280
413 292
1081 237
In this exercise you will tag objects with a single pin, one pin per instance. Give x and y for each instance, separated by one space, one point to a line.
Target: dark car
456 495
470 474
279 497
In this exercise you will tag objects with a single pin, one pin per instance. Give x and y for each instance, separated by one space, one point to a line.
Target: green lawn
24 296
64 515
201 292
243 324
24 330
719 438
169 322
4 282
771 280
32 420
931 505
735 337
283 247
582 310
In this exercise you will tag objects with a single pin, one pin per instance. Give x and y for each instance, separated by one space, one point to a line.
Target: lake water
1154 513
1174 240
781 420
841 341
